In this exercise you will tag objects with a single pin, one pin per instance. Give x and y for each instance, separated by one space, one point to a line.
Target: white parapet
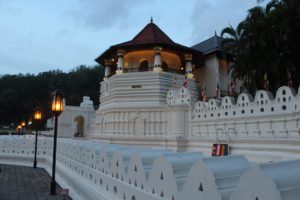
263 128
140 165
169 172
274 181
264 104
214 178
93 170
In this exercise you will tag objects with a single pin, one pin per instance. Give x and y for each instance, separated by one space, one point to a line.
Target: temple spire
151 20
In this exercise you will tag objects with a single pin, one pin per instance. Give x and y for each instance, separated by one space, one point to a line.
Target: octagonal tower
138 75
139 72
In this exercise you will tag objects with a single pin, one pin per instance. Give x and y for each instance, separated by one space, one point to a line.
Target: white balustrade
96 170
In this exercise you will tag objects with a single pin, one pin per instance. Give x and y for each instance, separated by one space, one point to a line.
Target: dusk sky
42 35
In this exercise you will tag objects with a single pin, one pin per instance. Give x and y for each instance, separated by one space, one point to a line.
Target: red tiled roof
151 34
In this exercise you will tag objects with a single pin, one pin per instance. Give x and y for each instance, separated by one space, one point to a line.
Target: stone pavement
26 183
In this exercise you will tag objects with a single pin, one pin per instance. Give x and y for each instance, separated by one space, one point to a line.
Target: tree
20 94
266 42
235 43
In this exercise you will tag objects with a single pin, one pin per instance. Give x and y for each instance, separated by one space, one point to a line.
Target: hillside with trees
20 94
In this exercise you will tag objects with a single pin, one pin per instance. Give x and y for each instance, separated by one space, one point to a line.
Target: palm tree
266 41
235 44
254 45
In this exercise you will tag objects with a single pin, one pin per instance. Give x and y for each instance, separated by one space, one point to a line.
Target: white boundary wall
95 170
262 128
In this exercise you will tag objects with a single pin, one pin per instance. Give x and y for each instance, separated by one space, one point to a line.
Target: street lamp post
37 118
57 107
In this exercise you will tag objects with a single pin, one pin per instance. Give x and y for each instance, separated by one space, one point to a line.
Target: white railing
95 170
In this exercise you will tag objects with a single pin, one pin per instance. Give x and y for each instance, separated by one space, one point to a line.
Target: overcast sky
41 35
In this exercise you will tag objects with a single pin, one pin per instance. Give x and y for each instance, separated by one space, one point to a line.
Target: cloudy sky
38 36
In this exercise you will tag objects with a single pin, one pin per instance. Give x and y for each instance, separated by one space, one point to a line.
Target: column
188 65
120 66
157 60
108 63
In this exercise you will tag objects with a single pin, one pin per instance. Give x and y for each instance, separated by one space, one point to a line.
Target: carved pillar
108 63
157 60
120 67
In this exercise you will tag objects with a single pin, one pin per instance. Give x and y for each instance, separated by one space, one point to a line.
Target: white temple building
146 100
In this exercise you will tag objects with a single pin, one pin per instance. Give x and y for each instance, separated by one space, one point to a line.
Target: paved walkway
26 183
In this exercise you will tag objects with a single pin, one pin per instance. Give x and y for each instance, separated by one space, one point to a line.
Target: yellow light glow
171 59
119 72
19 127
38 115
189 75
157 69
57 106
53 105
23 123
57 102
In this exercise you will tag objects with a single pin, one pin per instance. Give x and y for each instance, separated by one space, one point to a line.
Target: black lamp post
37 119
57 108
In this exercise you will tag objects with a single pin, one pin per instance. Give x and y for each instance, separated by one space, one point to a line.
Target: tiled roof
210 45
148 37
150 34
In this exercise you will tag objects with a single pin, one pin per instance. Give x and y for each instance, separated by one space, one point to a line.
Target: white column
188 65
157 60
107 68
120 66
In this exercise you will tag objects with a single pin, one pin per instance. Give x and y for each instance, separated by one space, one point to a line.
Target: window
164 66
144 65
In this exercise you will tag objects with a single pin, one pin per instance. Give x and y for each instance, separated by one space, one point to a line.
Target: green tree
266 42
236 44
20 94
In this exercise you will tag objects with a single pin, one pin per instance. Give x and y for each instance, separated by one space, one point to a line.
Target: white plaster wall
66 120
139 89
211 75
262 117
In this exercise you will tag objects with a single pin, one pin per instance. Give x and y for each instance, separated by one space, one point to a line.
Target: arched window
164 66
79 120
144 66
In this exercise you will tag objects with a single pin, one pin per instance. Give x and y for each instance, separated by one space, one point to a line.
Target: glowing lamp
57 108
23 123
57 102
37 114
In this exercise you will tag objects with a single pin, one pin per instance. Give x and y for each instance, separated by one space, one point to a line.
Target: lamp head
37 114
57 102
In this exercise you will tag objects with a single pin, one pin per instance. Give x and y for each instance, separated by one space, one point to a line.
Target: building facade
150 97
